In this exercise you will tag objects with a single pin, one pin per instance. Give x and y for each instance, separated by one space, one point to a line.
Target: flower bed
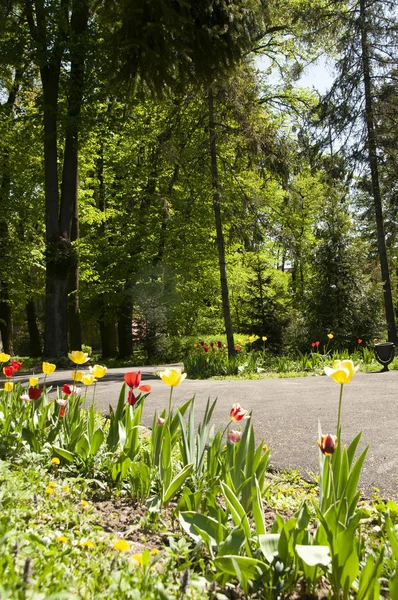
199 501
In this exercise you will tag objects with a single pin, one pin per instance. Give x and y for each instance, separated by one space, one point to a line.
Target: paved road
286 413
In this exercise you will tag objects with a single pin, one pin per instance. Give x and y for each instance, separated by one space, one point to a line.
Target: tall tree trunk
75 334
6 329
125 322
220 236
373 163
5 319
69 217
60 255
58 246
34 334
108 339
107 320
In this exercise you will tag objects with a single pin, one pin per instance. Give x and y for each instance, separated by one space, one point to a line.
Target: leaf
369 585
238 513
82 446
62 453
96 441
269 545
250 567
192 521
233 542
176 484
257 507
29 437
122 434
314 555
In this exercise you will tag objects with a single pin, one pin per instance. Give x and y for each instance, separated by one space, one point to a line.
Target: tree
349 106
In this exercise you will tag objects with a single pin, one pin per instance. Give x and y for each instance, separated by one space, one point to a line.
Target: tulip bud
327 444
234 436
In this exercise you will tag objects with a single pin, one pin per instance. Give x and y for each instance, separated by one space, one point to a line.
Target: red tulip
8 371
16 365
205 348
359 341
131 399
145 388
202 343
212 344
237 348
62 411
133 379
34 393
313 344
317 343
327 444
219 344
67 389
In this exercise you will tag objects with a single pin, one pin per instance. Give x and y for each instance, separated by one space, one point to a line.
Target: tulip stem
339 412
225 429
95 385
171 395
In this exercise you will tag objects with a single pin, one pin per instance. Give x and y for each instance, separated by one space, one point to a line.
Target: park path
286 413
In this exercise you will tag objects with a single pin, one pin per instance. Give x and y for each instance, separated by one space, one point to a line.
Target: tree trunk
108 339
60 255
373 163
220 236
58 247
5 304
34 334
69 216
75 337
125 322
5 319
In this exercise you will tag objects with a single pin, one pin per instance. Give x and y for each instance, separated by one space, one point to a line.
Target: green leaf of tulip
314 555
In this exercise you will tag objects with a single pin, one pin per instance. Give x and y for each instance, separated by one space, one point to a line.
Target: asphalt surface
285 414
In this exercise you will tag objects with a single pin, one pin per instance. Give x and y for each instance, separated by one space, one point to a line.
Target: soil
128 519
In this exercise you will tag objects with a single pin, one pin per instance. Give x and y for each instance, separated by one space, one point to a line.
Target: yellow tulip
88 379
77 376
78 357
342 371
33 381
172 377
98 371
4 357
55 461
264 338
330 336
48 368
8 386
